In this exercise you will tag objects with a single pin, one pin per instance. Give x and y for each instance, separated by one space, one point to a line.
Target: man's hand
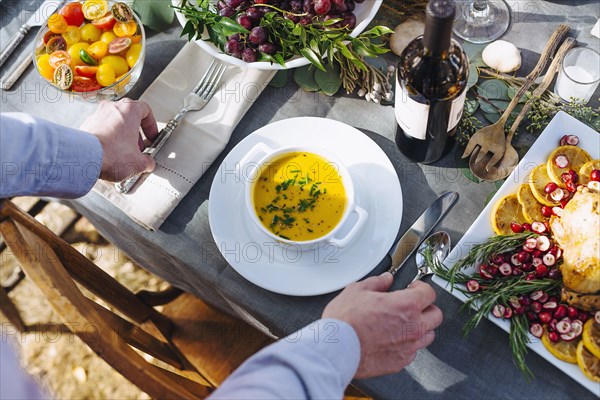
117 126
391 326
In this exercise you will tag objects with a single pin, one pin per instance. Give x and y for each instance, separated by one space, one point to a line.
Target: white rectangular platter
481 230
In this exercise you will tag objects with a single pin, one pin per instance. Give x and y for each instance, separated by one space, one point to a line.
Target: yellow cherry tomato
74 53
125 29
90 33
57 23
136 39
106 75
72 35
118 63
97 49
133 54
43 65
94 9
108 37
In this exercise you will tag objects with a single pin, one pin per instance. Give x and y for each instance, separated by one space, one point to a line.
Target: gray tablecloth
184 253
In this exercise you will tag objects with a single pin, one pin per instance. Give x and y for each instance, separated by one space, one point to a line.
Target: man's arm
38 157
316 362
366 331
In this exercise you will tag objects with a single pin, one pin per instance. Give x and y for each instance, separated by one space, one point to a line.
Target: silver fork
195 101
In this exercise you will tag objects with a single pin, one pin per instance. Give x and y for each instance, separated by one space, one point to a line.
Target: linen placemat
198 140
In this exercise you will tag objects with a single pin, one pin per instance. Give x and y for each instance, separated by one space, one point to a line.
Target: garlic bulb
503 56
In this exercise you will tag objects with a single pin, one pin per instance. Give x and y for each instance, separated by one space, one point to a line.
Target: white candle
578 77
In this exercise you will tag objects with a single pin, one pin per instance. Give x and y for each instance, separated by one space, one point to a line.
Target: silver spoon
439 242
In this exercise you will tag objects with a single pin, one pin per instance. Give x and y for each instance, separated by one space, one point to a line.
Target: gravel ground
63 365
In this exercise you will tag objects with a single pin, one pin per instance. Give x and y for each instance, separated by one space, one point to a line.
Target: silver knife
37 19
409 242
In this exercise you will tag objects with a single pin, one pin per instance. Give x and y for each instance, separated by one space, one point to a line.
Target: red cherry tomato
105 23
86 71
83 84
72 14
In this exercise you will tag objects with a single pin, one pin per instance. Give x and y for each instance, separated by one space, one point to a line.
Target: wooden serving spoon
490 138
511 158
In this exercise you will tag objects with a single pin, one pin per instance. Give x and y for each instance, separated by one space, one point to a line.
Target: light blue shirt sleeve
316 362
38 157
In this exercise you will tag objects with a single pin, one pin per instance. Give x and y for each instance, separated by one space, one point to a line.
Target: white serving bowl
364 12
342 234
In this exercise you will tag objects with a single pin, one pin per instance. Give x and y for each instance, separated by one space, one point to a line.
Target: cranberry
537 253
554 274
530 277
550 187
524 300
572 140
541 271
563 140
595 175
573 312
553 336
523 256
574 176
561 311
571 186
519 310
498 259
566 177
516 228
583 316
536 307
527 226
531 316
527 267
545 317
546 212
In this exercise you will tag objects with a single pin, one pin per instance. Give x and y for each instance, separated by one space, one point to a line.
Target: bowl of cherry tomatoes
93 49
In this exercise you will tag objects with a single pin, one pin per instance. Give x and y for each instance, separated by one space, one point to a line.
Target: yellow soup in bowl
299 196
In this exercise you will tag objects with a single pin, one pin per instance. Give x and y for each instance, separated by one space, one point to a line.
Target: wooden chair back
55 267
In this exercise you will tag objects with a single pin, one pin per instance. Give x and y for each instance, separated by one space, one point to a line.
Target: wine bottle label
456 110
412 116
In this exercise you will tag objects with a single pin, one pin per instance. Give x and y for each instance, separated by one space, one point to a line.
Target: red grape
322 7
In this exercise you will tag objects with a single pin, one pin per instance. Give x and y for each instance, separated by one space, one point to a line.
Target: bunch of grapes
248 13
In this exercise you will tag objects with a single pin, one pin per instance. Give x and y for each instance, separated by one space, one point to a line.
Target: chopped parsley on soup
299 196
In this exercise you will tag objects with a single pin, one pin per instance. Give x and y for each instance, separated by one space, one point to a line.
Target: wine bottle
431 86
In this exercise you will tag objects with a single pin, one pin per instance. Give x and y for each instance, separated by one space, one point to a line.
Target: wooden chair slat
43 267
11 312
88 274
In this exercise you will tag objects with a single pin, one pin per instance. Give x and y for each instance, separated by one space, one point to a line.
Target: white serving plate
481 229
364 12
305 272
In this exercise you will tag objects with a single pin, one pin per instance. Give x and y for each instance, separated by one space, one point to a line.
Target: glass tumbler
579 75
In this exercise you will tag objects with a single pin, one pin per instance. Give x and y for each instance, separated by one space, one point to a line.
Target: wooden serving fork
490 139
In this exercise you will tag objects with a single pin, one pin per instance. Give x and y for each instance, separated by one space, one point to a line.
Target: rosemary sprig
494 292
482 252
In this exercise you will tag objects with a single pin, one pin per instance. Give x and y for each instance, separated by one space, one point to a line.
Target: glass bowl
113 92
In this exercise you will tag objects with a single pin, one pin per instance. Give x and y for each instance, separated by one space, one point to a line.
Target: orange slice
563 350
576 156
591 337
538 179
505 211
589 363
532 209
586 169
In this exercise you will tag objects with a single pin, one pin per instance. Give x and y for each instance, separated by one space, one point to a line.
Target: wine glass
481 21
